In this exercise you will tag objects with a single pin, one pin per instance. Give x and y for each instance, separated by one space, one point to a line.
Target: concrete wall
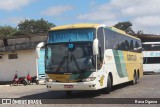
26 61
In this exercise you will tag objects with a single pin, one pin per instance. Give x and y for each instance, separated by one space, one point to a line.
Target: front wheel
37 82
68 93
108 89
14 83
109 85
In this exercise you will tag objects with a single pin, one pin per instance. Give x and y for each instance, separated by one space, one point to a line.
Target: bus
151 54
91 57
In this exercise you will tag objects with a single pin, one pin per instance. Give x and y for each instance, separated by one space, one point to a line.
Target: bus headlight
89 79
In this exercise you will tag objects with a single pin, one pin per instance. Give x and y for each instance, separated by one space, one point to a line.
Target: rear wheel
135 79
25 83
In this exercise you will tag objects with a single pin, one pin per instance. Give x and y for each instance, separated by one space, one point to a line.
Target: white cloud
110 22
12 20
99 13
125 3
144 14
149 24
96 17
57 10
147 21
92 3
143 7
147 29
9 5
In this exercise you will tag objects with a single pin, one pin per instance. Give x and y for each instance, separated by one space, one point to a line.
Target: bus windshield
71 35
69 57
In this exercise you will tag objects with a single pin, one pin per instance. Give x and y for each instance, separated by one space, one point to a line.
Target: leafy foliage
26 28
125 26
34 26
7 31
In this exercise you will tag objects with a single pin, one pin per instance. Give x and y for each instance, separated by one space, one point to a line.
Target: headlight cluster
89 79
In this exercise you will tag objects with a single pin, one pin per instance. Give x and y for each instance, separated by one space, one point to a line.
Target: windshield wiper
66 58
61 63
74 59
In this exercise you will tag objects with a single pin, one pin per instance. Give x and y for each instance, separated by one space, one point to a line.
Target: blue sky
144 14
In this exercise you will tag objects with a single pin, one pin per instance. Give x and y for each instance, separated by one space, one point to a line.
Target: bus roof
88 25
122 32
151 43
72 26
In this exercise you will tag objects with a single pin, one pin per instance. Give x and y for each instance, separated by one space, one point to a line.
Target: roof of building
21 43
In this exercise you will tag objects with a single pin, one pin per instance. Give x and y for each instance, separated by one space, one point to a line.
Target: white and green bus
91 57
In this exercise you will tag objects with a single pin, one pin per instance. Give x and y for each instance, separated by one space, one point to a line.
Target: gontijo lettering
131 57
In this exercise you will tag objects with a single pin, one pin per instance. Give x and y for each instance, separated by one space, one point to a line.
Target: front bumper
53 86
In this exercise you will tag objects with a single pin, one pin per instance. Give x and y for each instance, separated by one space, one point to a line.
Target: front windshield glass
69 57
71 35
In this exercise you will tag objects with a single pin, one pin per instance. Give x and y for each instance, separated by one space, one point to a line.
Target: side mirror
38 48
95 47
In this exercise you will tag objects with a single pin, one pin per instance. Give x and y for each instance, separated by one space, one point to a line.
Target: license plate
68 86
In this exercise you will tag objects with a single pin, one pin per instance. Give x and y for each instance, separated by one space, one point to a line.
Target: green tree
140 32
125 26
7 31
34 26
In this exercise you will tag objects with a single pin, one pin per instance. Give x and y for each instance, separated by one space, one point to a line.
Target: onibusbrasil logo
21 101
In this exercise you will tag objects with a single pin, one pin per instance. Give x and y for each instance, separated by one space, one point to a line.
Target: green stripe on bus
120 63
123 63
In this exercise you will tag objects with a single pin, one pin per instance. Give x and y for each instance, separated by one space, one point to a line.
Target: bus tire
135 79
109 85
68 93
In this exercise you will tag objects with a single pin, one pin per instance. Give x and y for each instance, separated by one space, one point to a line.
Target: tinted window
118 41
151 47
151 60
100 37
100 56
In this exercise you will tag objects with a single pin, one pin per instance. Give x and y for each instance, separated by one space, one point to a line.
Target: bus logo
6 101
131 57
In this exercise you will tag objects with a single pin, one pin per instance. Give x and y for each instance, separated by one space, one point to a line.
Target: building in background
19 54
